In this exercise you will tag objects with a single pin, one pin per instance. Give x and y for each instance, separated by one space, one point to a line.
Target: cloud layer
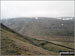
10 9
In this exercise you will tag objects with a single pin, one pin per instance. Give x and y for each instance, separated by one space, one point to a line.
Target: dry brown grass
25 47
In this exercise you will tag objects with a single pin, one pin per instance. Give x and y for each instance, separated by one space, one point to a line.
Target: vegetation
42 36
11 45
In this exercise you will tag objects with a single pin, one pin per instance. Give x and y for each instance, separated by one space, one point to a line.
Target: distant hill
42 26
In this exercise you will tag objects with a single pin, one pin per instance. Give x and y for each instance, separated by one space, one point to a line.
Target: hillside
60 31
15 44
41 26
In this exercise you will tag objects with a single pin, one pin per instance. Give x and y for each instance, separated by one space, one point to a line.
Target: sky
11 9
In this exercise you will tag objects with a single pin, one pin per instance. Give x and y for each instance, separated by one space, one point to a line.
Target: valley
29 36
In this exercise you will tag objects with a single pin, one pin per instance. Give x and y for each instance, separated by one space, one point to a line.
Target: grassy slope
13 44
45 29
19 45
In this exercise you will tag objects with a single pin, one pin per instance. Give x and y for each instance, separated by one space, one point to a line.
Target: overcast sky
10 9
